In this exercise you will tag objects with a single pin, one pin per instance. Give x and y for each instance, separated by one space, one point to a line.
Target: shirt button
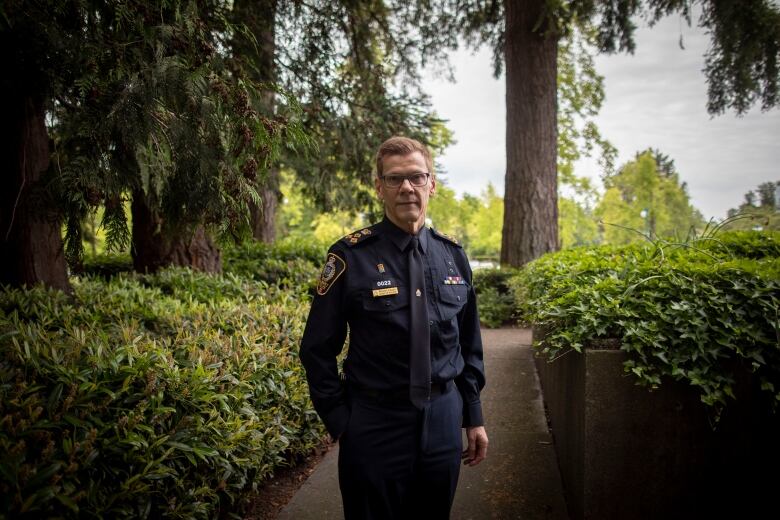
458 298
430 322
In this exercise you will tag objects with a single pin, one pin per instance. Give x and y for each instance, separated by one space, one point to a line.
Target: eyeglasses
417 180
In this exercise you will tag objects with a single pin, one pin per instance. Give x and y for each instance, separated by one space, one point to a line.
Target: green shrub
147 396
106 265
288 263
744 244
697 312
494 296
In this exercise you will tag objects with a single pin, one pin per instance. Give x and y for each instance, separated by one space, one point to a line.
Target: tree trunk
531 184
260 18
32 249
264 218
157 245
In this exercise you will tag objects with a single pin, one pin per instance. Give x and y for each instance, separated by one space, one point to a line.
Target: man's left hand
477 448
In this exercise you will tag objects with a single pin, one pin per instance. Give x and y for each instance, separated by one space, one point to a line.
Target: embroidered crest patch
334 266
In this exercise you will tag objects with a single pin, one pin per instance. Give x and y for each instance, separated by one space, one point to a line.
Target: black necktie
420 344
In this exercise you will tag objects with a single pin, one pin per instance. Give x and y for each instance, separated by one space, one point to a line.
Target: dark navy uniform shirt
364 288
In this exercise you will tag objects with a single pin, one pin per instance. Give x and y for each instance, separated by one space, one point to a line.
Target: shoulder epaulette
357 237
445 237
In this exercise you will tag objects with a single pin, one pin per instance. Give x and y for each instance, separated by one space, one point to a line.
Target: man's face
405 205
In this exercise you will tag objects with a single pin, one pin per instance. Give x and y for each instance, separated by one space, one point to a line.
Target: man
414 369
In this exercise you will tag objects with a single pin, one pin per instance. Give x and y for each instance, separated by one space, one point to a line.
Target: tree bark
260 18
264 218
157 245
32 248
531 184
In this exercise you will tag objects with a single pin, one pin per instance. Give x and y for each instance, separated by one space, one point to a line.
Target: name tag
384 292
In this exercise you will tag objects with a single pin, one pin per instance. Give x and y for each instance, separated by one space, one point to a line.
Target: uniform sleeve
471 381
323 340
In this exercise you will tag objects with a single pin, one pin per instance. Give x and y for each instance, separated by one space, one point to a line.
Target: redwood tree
31 243
531 57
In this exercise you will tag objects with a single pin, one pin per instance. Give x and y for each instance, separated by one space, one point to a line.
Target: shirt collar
401 238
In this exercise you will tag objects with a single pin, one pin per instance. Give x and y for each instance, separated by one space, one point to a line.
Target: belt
395 396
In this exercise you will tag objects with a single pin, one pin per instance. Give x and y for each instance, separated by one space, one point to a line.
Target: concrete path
519 479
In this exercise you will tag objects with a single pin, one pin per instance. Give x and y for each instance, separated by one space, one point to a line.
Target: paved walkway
519 479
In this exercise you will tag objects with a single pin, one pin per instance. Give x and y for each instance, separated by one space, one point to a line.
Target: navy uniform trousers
399 462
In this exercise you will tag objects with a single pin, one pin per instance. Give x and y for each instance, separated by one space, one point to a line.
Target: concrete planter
626 452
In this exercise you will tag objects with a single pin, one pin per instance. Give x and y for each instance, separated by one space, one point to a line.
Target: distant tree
484 227
766 194
642 199
664 163
299 218
577 225
448 214
758 211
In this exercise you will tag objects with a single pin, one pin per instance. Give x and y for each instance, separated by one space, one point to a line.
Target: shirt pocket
452 298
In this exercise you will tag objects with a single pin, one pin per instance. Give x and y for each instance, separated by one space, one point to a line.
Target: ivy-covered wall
696 312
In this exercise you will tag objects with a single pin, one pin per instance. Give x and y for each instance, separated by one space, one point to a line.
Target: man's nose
406 185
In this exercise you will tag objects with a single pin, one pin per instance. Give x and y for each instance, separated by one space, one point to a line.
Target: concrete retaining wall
626 452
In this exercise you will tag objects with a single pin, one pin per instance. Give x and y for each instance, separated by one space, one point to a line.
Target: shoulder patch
445 237
333 268
358 236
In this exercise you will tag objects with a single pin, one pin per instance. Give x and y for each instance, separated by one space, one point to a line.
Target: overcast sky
654 98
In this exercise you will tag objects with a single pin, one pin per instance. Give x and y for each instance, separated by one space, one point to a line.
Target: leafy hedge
106 265
148 396
288 263
698 312
495 297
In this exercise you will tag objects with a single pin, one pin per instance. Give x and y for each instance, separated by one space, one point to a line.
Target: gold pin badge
380 268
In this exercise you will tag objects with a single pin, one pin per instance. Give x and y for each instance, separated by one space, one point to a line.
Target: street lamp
645 214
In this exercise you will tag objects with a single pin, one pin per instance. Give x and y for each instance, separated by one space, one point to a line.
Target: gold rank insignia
357 236
446 237
380 268
354 238
333 268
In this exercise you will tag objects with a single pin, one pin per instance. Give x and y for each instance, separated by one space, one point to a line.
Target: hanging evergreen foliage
140 99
